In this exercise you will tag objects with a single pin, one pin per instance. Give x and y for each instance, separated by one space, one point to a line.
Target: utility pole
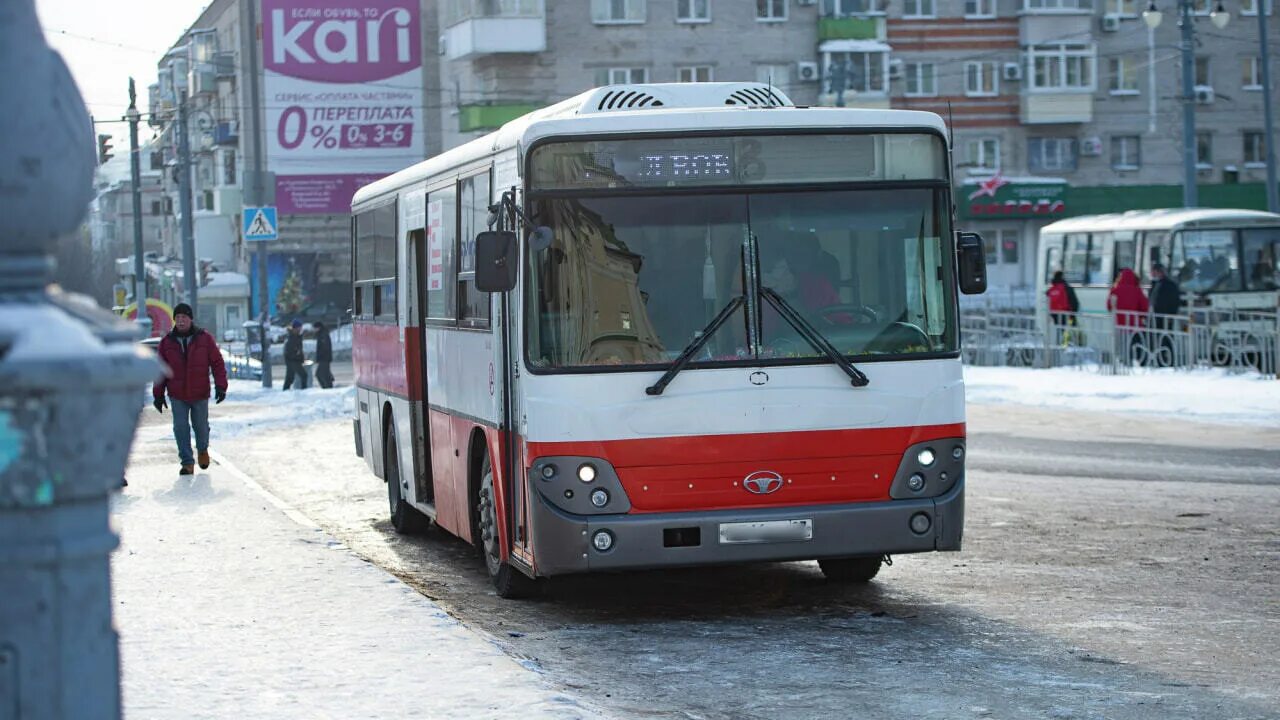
256 194
135 169
69 394
189 277
1190 194
1273 201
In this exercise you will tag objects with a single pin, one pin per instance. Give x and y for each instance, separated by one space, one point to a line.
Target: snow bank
257 408
1213 396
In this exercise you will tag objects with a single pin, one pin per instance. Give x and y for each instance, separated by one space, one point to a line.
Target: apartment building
1054 103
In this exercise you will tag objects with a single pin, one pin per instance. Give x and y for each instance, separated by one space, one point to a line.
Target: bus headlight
916 482
602 540
548 471
920 523
587 472
926 457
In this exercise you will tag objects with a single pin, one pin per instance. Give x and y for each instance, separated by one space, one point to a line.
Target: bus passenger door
424 487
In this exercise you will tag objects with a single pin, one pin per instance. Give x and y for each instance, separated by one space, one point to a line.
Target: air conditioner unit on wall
1012 71
1110 23
1204 95
807 71
1091 146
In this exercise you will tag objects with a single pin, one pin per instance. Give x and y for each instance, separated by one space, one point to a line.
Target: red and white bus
669 325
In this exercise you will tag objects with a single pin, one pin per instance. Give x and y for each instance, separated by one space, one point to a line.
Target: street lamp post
190 280
1219 17
135 170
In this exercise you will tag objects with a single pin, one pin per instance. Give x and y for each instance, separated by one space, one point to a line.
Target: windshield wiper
693 347
812 335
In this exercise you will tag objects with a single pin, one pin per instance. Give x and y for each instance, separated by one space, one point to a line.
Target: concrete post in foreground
70 390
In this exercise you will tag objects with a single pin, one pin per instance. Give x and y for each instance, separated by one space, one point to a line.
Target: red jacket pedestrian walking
1127 299
191 354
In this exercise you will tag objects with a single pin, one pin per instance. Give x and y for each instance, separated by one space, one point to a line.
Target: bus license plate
766 531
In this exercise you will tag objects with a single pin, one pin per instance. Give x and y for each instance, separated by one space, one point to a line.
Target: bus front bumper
563 543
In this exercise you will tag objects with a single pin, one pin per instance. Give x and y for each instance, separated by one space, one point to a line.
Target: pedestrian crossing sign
259 223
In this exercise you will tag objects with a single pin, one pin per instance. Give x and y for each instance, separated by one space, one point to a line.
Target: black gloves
160 404
219 395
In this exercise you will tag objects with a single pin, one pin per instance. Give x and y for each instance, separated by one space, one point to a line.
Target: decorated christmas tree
290 299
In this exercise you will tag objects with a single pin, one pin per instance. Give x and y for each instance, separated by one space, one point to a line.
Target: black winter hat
182 309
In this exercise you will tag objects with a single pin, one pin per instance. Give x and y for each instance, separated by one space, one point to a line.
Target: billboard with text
343 97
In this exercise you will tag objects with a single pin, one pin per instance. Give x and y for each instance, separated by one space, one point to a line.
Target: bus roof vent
760 96
614 98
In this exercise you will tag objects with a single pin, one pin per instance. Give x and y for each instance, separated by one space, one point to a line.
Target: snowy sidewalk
228 608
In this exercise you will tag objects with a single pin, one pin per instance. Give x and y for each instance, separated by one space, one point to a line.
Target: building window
917 8
1061 67
229 167
1056 5
776 75
1122 76
618 11
155 207
984 155
864 72
694 73
771 10
693 11
979 8
1250 7
1202 7
1202 72
1126 152
980 78
1255 148
922 79
1009 247
1204 149
1251 74
622 76
1051 154
847 8
1122 8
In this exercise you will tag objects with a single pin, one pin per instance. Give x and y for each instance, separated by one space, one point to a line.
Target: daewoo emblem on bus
579 339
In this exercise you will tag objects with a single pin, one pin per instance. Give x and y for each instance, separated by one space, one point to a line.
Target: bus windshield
631 279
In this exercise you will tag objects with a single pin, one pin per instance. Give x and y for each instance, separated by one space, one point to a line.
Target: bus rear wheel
405 518
850 570
507 581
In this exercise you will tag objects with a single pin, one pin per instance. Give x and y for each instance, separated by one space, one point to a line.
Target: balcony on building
854 74
1041 21
851 20
478 118
1059 83
202 47
485 27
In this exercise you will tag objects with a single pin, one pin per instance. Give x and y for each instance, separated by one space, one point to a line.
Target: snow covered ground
1212 396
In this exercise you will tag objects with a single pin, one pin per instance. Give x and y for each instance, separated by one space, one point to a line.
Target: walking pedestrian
1063 305
294 357
1126 299
191 354
324 355
1165 297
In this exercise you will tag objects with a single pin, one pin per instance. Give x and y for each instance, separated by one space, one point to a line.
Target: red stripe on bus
382 360
705 472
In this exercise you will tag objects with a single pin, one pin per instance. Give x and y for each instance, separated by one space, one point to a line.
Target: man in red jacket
191 354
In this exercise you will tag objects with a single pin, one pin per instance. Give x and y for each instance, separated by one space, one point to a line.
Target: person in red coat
191 354
1127 299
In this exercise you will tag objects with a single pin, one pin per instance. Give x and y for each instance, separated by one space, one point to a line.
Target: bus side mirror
973 263
496 261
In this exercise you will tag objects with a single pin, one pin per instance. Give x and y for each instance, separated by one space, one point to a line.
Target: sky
104 43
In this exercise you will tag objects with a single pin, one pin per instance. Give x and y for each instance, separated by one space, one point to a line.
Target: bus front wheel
850 570
507 581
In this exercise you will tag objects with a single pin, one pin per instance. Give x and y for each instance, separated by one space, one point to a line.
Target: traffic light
104 148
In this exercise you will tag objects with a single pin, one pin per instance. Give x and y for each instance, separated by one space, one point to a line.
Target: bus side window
442 227
1052 257
473 305
1076 257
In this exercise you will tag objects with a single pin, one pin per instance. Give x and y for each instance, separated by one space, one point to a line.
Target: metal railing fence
1122 342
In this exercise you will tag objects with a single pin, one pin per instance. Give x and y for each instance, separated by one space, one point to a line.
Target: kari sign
343 91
